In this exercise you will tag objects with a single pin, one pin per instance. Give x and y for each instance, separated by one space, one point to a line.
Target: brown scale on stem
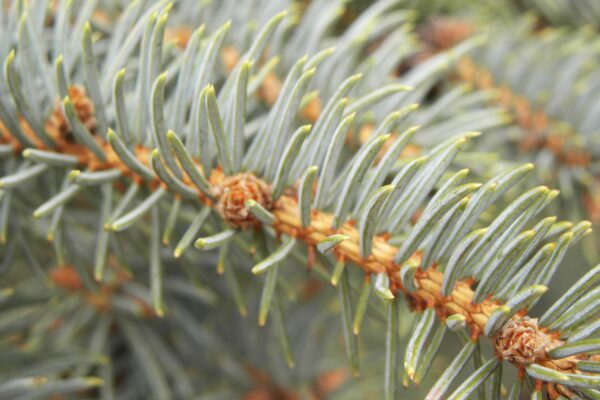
84 108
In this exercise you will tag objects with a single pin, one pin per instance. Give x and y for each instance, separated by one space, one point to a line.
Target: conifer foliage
280 200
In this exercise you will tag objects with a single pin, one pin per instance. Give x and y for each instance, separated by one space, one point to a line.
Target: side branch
428 282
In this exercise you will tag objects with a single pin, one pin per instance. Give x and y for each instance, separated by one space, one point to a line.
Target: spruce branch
382 260
224 156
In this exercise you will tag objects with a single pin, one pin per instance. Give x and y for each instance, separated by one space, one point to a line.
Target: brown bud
522 342
233 193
